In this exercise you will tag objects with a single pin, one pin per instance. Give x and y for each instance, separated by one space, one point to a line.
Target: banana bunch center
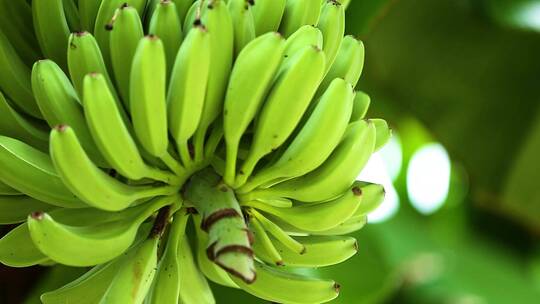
165 144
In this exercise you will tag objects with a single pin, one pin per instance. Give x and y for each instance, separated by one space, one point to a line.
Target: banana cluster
165 144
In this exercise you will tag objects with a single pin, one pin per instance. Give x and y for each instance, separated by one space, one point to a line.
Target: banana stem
157 191
185 155
173 164
198 142
163 176
229 244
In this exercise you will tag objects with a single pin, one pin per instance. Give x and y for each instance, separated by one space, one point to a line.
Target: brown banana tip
61 128
357 191
355 246
80 34
37 215
304 250
280 263
337 287
251 2
109 26
316 48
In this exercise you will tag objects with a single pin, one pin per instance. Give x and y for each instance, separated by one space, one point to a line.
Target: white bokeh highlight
428 178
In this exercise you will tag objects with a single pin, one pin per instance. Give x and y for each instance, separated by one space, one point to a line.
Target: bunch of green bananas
238 116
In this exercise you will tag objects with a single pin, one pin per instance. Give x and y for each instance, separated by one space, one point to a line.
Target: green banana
278 233
111 134
243 23
84 57
194 288
15 208
251 78
383 132
165 288
322 132
15 125
134 276
218 21
7 190
94 244
31 172
52 29
88 10
147 91
360 106
166 24
88 182
87 289
298 13
373 196
317 217
17 24
332 25
125 32
71 12
285 287
187 88
307 35
60 104
293 89
336 174
348 64
104 15
15 79
353 224
18 250
263 244
182 7
320 251
267 15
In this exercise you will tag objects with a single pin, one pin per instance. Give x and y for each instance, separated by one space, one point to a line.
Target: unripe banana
88 182
243 23
16 23
307 35
125 32
148 93
18 250
373 196
135 274
194 288
263 244
318 217
84 57
337 173
293 89
17 126
250 81
182 7
15 78
71 11
165 287
7 190
15 208
298 13
88 10
285 287
360 106
94 244
31 172
52 29
348 64
267 15
218 21
383 132
320 251
322 132
332 25
167 25
279 234
187 88
60 104
111 134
